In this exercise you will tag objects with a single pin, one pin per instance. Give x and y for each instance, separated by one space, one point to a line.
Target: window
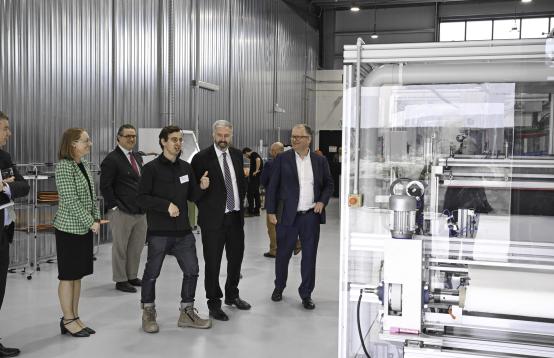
506 29
479 30
534 28
514 28
452 31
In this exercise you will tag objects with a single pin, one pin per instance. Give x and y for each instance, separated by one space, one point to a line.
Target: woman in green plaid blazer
75 222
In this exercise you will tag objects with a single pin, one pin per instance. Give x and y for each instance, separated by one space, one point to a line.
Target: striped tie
230 204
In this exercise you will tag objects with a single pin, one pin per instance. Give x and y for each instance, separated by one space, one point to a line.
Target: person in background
253 193
221 217
12 186
119 180
275 149
76 220
298 192
167 183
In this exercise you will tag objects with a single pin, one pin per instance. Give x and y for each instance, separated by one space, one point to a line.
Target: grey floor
30 314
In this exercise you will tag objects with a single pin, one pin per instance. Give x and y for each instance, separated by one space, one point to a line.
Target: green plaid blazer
76 211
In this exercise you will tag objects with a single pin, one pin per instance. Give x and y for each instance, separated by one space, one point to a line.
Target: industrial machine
447 226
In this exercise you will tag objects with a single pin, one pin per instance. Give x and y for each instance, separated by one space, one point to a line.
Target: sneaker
189 318
149 324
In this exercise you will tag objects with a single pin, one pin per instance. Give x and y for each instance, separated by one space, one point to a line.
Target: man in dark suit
119 182
221 217
253 193
12 186
299 189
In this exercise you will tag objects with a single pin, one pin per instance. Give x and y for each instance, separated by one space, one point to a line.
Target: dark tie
228 184
134 163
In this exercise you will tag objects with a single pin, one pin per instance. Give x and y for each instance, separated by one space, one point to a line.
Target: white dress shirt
126 152
306 181
219 154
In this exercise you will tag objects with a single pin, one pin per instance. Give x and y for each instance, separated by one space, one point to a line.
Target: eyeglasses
299 137
129 136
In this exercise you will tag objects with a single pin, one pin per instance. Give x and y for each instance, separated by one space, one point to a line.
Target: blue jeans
184 250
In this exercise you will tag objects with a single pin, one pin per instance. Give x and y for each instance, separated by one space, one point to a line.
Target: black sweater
164 182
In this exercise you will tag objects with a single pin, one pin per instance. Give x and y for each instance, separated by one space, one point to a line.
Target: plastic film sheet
510 292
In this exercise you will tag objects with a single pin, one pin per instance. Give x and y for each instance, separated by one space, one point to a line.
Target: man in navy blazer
298 192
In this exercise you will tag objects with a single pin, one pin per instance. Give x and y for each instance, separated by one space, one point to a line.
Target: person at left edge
11 186
76 220
119 181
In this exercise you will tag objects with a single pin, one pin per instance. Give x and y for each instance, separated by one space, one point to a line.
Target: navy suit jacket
266 174
284 189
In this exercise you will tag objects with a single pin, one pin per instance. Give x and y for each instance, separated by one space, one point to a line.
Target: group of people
149 203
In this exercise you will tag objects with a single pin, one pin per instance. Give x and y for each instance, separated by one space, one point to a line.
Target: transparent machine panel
448 211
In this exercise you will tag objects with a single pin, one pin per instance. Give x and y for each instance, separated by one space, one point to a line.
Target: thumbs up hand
204 181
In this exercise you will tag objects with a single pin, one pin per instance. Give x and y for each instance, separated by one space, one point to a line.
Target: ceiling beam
345 4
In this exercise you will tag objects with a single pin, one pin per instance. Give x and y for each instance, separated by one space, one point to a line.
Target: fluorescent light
354 8
526 0
374 36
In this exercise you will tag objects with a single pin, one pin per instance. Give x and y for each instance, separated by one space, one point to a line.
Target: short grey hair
306 128
222 123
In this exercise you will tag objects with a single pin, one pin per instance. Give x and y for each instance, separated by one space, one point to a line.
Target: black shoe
8 352
218 314
240 304
136 282
125 287
277 295
64 330
308 303
87 329
268 254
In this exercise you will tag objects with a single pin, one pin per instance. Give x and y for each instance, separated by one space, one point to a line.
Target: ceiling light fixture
374 35
526 1
354 8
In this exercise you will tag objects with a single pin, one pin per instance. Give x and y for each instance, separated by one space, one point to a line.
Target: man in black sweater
167 183
12 185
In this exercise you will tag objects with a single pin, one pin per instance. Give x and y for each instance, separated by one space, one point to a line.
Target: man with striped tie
221 217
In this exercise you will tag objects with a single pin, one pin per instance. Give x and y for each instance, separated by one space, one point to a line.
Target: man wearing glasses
119 182
299 189
221 217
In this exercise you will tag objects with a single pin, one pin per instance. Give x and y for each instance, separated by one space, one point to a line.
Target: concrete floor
30 314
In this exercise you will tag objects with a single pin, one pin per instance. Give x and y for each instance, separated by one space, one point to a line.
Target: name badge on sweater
184 179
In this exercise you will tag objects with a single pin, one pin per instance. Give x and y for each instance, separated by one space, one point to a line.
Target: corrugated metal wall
100 63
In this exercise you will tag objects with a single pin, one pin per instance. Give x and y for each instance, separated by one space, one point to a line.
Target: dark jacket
284 189
119 183
164 182
211 207
18 188
266 174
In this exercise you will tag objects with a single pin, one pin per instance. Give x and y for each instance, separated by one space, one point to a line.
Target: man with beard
221 217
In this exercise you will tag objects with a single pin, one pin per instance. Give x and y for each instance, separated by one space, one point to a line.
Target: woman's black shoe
64 330
87 329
